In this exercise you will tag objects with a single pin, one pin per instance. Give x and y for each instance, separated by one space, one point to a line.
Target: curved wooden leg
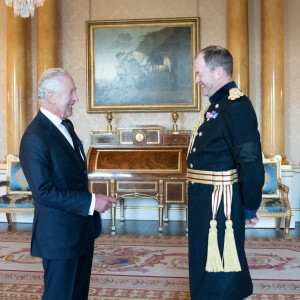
287 227
278 222
8 217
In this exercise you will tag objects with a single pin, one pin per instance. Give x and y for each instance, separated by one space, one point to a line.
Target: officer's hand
252 222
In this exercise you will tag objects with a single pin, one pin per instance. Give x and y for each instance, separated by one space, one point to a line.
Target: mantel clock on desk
140 162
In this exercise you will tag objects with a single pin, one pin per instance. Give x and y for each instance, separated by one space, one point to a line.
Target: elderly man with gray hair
66 217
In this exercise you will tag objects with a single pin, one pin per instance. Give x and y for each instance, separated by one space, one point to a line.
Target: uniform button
194 149
192 182
217 105
200 133
191 165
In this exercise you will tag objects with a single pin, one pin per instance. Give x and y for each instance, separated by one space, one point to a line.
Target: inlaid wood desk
139 162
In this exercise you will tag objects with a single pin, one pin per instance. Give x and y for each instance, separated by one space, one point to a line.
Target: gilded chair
18 197
275 202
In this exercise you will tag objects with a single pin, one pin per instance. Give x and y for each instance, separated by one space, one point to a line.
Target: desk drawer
174 139
137 186
175 192
99 187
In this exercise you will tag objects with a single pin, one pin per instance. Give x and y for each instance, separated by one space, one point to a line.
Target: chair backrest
272 167
15 176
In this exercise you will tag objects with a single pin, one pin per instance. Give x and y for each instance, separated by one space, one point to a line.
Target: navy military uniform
227 139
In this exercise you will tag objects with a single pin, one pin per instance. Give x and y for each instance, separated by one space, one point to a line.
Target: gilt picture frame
142 65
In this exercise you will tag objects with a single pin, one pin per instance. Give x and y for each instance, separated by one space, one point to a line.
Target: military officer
226 177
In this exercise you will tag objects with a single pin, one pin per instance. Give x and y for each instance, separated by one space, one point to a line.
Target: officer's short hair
216 56
50 81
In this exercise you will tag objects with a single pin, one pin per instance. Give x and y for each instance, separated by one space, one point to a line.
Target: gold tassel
213 262
230 256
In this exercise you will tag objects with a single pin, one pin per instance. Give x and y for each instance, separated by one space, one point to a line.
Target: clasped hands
252 222
104 203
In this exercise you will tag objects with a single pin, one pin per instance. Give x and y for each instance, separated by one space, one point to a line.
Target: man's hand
104 203
252 222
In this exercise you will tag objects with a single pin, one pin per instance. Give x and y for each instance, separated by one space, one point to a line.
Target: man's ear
219 71
50 97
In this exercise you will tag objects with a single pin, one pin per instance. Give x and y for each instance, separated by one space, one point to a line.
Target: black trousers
67 279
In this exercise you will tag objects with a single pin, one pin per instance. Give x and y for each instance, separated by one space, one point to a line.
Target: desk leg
187 218
122 209
160 207
113 217
160 203
113 208
166 213
187 207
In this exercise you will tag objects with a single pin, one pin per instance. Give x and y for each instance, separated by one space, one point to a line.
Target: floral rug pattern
151 267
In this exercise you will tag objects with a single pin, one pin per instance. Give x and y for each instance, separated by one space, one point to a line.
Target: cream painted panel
142 9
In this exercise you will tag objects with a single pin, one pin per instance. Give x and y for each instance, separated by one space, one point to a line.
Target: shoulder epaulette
235 93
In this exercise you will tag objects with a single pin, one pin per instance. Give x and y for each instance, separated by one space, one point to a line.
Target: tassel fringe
230 256
213 262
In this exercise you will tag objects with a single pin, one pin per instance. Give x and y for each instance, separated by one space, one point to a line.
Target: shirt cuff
92 207
249 214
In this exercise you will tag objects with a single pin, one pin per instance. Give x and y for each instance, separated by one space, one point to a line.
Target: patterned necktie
69 126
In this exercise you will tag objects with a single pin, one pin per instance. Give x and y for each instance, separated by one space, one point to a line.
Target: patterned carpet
151 267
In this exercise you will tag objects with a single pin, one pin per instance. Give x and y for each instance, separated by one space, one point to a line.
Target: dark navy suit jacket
62 228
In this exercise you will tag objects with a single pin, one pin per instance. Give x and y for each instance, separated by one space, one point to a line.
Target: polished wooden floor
174 228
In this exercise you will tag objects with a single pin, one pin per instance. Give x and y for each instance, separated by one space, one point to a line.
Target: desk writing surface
138 161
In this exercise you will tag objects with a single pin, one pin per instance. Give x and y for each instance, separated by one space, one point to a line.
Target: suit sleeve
37 165
244 139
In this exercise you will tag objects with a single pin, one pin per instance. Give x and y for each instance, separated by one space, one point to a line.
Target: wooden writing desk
141 162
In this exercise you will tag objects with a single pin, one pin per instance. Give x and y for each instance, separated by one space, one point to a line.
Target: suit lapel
60 138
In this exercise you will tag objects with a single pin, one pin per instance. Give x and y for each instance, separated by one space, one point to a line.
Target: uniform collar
223 91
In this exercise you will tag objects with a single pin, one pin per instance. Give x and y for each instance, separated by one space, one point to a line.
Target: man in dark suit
66 218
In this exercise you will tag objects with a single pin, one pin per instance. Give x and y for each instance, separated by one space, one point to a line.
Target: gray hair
216 56
50 81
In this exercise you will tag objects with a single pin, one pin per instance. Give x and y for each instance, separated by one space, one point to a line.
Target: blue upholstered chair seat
17 201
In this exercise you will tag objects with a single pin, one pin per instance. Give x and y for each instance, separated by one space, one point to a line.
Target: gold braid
197 125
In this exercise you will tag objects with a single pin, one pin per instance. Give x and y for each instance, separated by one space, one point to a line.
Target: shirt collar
52 117
223 91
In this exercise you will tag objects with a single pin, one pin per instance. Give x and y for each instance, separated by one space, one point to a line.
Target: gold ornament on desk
175 117
109 118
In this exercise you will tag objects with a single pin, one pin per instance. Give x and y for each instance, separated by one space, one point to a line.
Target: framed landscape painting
142 65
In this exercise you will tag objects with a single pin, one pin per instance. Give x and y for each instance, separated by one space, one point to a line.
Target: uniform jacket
228 139
62 228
